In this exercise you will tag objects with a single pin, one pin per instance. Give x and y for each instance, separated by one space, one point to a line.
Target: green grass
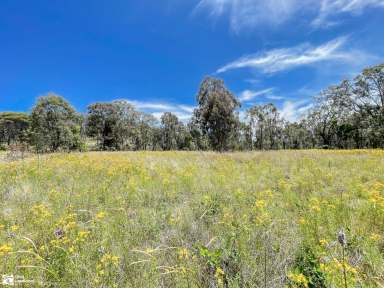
189 219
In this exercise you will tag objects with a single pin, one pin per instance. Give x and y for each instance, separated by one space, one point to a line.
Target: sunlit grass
190 219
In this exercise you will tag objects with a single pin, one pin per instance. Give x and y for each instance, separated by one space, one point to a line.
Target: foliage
216 113
264 127
118 126
308 266
14 127
170 131
55 125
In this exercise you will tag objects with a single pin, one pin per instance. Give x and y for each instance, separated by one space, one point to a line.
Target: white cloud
247 95
186 108
184 117
253 81
277 60
252 13
294 111
274 97
329 9
182 111
150 105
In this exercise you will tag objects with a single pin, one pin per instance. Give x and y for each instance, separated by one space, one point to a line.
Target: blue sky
155 53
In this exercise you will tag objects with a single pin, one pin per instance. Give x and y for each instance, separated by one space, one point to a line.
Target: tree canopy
55 124
14 127
216 113
343 116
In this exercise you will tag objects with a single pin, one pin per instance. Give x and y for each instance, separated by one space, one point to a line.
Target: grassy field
189 219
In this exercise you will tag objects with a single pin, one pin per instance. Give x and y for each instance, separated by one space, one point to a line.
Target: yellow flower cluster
228 217
314 205
338 266
260 209
68 222
40 212
82 236
302 221
375 237
183 254
105 269
260 204
376 195
219 275
5 249
61 241
299 280
101 215
15 228
109 259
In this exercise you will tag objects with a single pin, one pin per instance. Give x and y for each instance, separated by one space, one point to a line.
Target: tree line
344 116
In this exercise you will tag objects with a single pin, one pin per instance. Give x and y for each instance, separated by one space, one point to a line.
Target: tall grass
189 219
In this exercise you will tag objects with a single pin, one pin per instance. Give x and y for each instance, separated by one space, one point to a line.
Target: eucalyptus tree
368 97
216 113
145 132
296 135
14 127
170 129
113 124
265 126
55 125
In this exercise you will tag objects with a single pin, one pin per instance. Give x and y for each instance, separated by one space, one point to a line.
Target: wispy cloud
329 9
151 105
252 13
186 108
294 111
277 60
248 95
274 97
157 109
269 93
184 117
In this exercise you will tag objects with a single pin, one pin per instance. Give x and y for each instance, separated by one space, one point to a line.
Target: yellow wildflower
299 279
260 204
109 259
183 253
5 249
101 215
40 211
219 274
314 205
115 260
315 208
14 228
375 237
70 225
302 221
344 265
82 236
